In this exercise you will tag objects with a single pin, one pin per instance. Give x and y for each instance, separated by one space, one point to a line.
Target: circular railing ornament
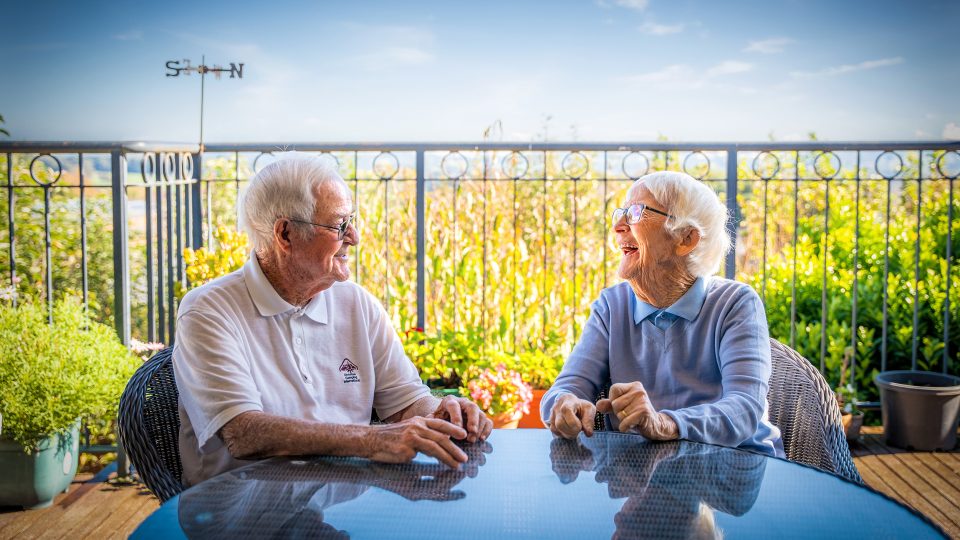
686 164
330 159
626 165
168 166
954 162
268 155
386 165
33 175
454 165
511 165
575 165
151 159
186 165
763 161
887 157
830 156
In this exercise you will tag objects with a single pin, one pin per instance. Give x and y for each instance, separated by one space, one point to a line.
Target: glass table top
527 484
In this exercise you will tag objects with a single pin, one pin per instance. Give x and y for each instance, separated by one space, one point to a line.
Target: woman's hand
631 404
571 415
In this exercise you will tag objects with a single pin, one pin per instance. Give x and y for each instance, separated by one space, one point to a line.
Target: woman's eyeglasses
634 213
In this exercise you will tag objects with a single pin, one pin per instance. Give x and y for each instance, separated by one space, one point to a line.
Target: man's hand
464 413
399 442
631 404
571 415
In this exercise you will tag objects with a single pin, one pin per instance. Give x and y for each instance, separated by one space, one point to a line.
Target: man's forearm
253 435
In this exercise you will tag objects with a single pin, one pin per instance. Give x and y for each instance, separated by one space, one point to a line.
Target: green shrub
51 375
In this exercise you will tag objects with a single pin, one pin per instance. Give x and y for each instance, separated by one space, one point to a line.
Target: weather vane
177 67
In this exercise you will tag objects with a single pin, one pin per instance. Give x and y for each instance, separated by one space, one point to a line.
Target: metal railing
552 198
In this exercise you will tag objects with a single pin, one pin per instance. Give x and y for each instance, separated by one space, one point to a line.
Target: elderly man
286 357
686 353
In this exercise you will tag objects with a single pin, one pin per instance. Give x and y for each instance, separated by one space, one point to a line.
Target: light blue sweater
704 361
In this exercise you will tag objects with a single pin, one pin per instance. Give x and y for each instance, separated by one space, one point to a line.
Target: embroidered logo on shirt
349 370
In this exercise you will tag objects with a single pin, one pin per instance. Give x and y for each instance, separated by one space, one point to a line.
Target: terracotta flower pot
851 425
532 419
505 420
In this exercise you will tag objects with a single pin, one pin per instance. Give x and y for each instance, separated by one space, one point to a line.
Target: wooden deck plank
78 512
927 484
15 521
121 520
908 488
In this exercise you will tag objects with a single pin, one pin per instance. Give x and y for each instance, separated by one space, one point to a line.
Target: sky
519 71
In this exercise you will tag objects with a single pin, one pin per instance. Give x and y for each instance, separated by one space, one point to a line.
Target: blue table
526 484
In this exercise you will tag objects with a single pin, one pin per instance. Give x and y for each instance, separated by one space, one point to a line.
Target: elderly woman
686 353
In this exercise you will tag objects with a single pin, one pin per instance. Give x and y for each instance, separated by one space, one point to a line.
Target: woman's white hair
285 188
693 205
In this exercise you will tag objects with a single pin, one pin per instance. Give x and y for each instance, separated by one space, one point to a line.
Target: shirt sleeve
743 354
398 383
587 367
213 375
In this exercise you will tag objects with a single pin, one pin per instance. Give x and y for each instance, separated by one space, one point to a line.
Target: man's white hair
693 205
285 188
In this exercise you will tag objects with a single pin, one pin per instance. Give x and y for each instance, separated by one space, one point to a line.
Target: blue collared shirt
704 361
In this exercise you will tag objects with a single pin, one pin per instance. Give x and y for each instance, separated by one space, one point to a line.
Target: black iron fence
849 244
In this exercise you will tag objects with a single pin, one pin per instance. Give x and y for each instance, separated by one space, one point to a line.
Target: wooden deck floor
926 481
96 508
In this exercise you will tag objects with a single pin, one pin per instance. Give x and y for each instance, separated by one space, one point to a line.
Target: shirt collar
269 302
687 307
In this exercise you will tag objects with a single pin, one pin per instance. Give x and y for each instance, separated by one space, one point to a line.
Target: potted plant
851 415
502 394
443 358
52 375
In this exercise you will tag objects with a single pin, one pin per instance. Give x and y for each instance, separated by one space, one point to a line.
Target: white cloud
673 74
389 46
129 35
685 76
729 67
768 46
849 68
394 57
655 29
636 5
951 132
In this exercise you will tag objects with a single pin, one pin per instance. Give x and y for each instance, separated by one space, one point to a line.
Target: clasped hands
434 434
628 401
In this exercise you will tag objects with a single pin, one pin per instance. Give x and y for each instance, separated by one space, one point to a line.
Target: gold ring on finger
622 414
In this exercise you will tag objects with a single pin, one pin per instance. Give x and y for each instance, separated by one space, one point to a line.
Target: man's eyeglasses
634 213
341 228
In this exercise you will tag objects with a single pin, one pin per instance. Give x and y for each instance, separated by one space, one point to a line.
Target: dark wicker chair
802 405
149 425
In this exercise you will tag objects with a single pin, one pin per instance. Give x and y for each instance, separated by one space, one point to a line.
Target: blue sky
564 70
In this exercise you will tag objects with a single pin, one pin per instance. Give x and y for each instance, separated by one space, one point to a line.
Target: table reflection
287 499
672 489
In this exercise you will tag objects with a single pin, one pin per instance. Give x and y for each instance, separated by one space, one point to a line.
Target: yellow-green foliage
51 375
203 265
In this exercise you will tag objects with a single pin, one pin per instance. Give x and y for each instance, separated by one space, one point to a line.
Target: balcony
850 245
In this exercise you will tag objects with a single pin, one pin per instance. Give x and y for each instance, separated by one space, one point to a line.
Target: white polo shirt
241 347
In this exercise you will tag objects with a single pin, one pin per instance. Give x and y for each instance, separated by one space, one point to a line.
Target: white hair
693 205
285 188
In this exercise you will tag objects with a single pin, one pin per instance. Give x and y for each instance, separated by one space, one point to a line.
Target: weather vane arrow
175 68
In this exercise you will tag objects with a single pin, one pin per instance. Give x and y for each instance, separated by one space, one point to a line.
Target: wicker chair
149 425
802 405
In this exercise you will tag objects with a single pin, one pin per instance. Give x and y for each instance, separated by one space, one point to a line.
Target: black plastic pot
920 409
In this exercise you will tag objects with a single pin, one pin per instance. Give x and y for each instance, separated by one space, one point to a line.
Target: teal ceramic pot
33 480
